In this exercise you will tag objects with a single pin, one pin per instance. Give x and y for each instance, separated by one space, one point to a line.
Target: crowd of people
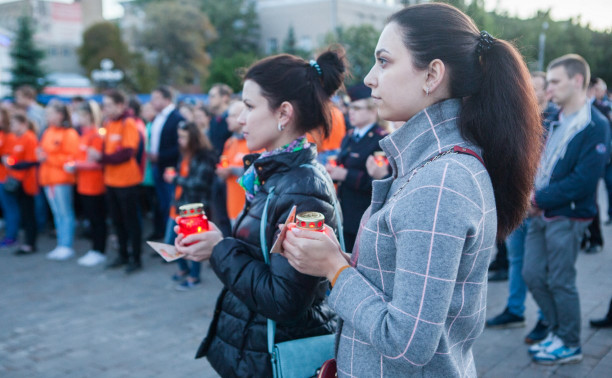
449 149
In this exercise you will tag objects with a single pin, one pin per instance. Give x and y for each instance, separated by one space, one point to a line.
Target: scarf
559 138
250 181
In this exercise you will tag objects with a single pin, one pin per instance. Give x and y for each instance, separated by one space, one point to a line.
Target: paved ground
58 319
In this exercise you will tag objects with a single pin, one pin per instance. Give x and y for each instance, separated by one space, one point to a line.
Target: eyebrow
380 51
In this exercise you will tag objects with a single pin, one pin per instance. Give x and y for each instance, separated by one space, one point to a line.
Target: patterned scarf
250 180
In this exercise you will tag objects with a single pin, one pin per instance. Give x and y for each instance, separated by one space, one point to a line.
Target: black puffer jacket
236 345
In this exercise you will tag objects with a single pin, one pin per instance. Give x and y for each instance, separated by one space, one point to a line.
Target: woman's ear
436 73
285 113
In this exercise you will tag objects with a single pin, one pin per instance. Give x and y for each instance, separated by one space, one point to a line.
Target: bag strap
264 249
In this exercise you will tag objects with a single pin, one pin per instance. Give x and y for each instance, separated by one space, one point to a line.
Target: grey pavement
58 319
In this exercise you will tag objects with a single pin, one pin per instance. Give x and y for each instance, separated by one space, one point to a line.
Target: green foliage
141 77
227 70
176 34
27 58
360 43
102 40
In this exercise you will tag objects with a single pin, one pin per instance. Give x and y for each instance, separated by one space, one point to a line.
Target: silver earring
427 91
280 127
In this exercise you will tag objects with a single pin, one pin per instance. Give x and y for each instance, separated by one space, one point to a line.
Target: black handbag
11 184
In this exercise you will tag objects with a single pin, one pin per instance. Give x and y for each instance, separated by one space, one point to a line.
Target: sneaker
180 275
118 262
188 285
506 320
23 250
559 355
7 242
542 345
92 258
538 333
593 248
61 254
132 267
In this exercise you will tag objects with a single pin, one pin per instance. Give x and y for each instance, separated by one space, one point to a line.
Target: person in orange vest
90 181
329 144
10 209
56 153
22 163
231 166
122 177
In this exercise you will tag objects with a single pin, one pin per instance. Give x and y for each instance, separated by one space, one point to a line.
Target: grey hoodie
415 301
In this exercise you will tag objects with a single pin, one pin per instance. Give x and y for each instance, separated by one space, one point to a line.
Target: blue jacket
572 188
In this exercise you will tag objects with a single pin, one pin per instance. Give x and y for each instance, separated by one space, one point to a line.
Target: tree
360 43
102 40
176 35
27 58
227 70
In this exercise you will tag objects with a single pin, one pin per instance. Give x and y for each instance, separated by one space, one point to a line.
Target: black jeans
28 217
125 211
94 208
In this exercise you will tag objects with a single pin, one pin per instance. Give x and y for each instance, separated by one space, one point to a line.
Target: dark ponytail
500 112
306 85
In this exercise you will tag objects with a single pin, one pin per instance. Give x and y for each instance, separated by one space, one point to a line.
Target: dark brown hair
197 140
5 123
574 64
290 78
26 91
21 118
117 96
499 113
62 109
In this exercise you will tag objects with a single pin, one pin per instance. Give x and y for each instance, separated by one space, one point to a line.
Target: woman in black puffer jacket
285 98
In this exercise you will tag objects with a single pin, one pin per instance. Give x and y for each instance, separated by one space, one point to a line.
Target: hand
533 211
41 155
152 158
374 170
314 253
93 154
223 173
70 167
169 176
204 243
337 173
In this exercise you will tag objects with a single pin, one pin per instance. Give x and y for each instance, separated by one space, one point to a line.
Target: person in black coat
354 182
285 97
163 152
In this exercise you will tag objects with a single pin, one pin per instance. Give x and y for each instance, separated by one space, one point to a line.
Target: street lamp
542 46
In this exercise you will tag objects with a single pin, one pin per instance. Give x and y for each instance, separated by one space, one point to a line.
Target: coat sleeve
429 244
171 151
200 176
582 181
277 291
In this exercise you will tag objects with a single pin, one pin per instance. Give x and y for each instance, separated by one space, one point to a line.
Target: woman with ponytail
285 97
412 296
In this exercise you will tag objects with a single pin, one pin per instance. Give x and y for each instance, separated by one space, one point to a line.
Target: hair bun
334 66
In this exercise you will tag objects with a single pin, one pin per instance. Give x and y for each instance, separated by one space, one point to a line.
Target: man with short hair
219 97
25 98
563 204
163 152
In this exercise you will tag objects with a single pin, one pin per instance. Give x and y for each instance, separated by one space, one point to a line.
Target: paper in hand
167 251
278 244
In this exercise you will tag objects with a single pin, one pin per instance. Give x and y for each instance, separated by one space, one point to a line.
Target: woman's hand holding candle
198 247
314 253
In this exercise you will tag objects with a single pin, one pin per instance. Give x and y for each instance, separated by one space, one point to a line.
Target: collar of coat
267 166
431 131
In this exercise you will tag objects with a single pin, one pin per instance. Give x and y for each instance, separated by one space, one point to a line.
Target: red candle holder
309 220
223 161
380 158
192 219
